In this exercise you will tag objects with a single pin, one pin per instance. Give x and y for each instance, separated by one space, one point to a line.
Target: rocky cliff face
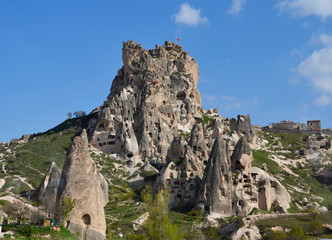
46 193
81 182
153 115
153 98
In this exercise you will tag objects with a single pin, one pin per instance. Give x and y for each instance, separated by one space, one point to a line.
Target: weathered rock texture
153 114
81 181
271 192
152 98
46 193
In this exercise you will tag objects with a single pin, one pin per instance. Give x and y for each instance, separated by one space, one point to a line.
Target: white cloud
325 39
304 8
237 6
295 52
322 101
294 81
189 15
317 69
209 97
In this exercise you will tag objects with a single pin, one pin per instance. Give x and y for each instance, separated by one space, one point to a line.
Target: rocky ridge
154 115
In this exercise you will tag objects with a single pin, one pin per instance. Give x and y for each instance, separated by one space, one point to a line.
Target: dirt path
23 179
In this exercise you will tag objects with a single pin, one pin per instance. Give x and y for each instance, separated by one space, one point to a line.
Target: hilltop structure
153 115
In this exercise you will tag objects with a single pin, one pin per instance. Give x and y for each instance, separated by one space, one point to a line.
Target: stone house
314 125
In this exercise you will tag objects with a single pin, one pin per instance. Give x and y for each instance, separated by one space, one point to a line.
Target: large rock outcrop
80 181
46 193
271 191
153 114
152 98
215 193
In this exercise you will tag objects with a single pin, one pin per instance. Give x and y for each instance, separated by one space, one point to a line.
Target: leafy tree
316 227
158 225
274 235
69 115
80 113
297 233
16 211
67 206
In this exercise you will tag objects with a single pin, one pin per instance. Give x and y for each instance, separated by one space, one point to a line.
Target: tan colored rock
271 191
152 98
81 181
46 193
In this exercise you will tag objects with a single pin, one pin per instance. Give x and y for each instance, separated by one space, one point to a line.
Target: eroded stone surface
47 190
81 181
152 98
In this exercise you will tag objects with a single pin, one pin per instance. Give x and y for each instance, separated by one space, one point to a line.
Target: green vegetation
67 206
31 160
262 157
206 120
37 232
185 135
300 227
158 225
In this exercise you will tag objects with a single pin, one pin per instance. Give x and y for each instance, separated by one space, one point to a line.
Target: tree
158 225
69 115
297 233
17 211
315 227
80 113
67 206
274 235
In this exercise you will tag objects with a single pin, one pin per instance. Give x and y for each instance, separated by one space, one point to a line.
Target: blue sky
269 59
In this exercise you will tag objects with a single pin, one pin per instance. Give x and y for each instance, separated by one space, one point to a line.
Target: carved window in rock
101 126
168 182
222 191
222 168
226 178
245 178
192 187
171 175
181 95
86 219
273 184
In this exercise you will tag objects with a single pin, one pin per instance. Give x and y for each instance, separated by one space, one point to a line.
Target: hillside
224 176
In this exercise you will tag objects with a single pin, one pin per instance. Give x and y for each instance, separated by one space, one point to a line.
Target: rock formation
46 193
153 115
271 191
215 193
153 98
80 181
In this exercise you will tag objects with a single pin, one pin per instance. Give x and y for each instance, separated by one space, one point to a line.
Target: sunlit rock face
46 193
152 98
153 115
81 182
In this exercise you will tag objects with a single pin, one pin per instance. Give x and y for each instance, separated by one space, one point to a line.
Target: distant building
287 125
313 125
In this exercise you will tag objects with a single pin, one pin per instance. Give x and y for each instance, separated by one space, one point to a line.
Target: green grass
33 159
183 221
292 221
261 157
38 232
